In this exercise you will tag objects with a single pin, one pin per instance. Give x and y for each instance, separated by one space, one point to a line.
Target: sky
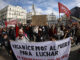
42 6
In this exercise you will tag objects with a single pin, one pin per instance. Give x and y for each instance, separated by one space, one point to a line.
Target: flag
17 29
6 23
64 9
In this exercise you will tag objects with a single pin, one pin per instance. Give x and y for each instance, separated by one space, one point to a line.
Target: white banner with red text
50 50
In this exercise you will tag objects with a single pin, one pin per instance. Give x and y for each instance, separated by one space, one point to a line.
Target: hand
53 39
10 52
71 38
10 40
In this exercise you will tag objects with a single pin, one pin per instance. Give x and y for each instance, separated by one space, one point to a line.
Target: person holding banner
22 37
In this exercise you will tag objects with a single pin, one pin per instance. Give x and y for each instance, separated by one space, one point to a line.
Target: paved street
74 55
4 55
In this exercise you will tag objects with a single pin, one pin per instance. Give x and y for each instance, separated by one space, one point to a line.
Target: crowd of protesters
29 33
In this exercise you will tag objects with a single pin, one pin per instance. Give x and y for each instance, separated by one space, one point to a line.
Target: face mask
20 35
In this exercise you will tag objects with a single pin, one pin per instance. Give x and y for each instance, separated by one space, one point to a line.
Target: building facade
51 19
29 17
75 12
13 13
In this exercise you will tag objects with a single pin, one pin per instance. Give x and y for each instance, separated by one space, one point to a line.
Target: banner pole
59 19
59 16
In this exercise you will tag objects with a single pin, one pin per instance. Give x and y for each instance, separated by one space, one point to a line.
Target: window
10 8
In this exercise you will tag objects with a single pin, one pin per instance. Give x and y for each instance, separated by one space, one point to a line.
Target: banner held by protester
58 50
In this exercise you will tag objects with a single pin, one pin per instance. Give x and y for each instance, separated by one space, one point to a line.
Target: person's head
4 29
67 30
52 38
5 36
12 28
20 32
79 28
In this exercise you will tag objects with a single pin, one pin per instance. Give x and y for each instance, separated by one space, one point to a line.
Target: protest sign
39 20
50 50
